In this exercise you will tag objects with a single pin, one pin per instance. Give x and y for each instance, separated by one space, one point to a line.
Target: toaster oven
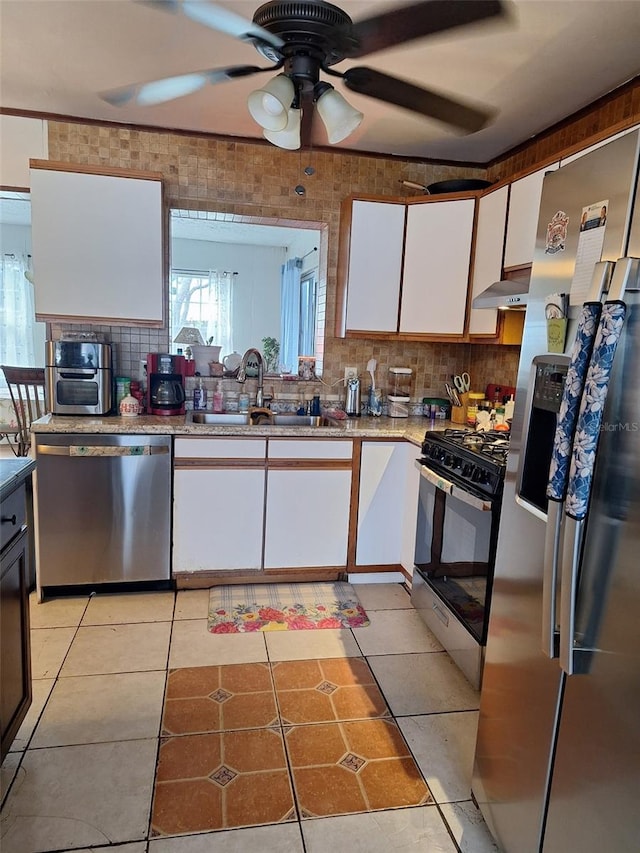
78 378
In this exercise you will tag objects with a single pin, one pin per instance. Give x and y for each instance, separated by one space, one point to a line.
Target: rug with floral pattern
284 607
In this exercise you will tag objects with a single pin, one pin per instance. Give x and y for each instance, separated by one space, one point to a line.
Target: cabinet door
22 138
15 658
307 518
218 519
487 265
436 267
97 246
381 504
375 263
522 222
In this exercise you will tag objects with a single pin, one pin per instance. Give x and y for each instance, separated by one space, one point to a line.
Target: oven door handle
449 488
78 373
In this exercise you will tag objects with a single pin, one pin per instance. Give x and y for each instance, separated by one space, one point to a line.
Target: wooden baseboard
205 580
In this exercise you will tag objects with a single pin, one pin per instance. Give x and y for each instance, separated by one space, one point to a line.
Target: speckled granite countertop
12 471
412 429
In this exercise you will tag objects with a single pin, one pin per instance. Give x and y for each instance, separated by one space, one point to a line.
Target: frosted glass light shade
290 136
269 106
338 116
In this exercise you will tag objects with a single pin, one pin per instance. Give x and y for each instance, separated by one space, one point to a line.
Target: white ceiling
551 58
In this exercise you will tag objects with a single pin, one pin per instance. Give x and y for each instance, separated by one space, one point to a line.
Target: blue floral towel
571 396
591 409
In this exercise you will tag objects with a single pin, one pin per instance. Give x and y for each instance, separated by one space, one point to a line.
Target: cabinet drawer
219 448
330 448
14 515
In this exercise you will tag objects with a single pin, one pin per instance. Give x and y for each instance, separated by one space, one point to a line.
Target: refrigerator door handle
568 591
552 548
580 356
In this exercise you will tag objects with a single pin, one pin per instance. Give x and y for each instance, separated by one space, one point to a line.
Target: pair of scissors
462 382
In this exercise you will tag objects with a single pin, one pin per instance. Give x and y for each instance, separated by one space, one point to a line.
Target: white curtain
220 311
18 327
290 319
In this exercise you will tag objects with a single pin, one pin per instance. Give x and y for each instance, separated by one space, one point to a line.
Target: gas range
476 460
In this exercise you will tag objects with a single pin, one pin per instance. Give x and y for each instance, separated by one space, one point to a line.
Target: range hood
503 294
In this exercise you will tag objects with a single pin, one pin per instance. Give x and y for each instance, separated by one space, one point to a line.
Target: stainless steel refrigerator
557 765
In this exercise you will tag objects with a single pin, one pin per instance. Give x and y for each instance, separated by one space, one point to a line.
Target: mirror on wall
239 282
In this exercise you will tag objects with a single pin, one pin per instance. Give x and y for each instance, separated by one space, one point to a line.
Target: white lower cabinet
221 520
218 504
217 519
307 518
386 506
308 502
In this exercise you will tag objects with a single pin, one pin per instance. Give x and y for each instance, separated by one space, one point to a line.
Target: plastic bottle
218 399
508 408
199 398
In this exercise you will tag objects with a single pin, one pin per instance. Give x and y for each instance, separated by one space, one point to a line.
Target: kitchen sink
221 419
301 420
276 420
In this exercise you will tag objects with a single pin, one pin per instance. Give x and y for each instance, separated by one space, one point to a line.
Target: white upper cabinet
487 265
22 138
436 267
522 223
375 264
97 241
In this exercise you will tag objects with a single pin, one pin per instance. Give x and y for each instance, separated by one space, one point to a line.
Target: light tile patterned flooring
149 733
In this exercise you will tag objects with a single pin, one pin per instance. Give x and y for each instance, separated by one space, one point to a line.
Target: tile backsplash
254 179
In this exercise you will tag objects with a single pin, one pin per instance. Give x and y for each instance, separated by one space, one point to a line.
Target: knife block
459 413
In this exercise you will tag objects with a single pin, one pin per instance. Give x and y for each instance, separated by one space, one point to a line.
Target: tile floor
147 734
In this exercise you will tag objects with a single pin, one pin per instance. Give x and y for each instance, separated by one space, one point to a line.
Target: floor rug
284 607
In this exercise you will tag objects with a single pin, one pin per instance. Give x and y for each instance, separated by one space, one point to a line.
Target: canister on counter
123 389
475 398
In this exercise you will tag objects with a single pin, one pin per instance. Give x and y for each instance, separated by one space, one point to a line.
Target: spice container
474 400
436 408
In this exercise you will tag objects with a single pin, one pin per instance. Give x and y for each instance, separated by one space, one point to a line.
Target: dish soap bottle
199 398
218 399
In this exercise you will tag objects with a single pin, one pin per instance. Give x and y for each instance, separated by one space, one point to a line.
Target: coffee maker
165 383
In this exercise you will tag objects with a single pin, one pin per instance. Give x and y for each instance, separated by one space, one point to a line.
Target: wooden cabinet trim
309 465
88 169
205 462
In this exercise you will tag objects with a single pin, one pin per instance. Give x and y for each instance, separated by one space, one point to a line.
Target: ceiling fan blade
217 18
393 90
169 88
417 20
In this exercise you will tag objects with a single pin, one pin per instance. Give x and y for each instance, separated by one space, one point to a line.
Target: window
21 338
204 301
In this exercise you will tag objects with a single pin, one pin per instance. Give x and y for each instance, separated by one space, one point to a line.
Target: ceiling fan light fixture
269 106
338 116
289 137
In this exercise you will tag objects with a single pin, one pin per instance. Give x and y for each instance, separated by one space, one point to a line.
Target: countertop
12 471
412 429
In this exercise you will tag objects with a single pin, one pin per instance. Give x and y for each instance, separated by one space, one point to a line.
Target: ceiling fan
305 37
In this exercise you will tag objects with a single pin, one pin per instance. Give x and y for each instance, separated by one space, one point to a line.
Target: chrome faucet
242 373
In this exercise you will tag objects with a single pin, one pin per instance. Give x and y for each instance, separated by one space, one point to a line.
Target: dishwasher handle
93 450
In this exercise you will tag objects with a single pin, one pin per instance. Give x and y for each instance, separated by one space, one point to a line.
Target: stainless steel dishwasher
103 509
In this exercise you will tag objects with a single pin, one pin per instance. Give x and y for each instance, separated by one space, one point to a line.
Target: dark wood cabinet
15 653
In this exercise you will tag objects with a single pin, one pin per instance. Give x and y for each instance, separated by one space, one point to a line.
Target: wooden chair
26 387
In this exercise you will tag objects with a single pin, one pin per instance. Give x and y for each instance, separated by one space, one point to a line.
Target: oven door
455 547
78 392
